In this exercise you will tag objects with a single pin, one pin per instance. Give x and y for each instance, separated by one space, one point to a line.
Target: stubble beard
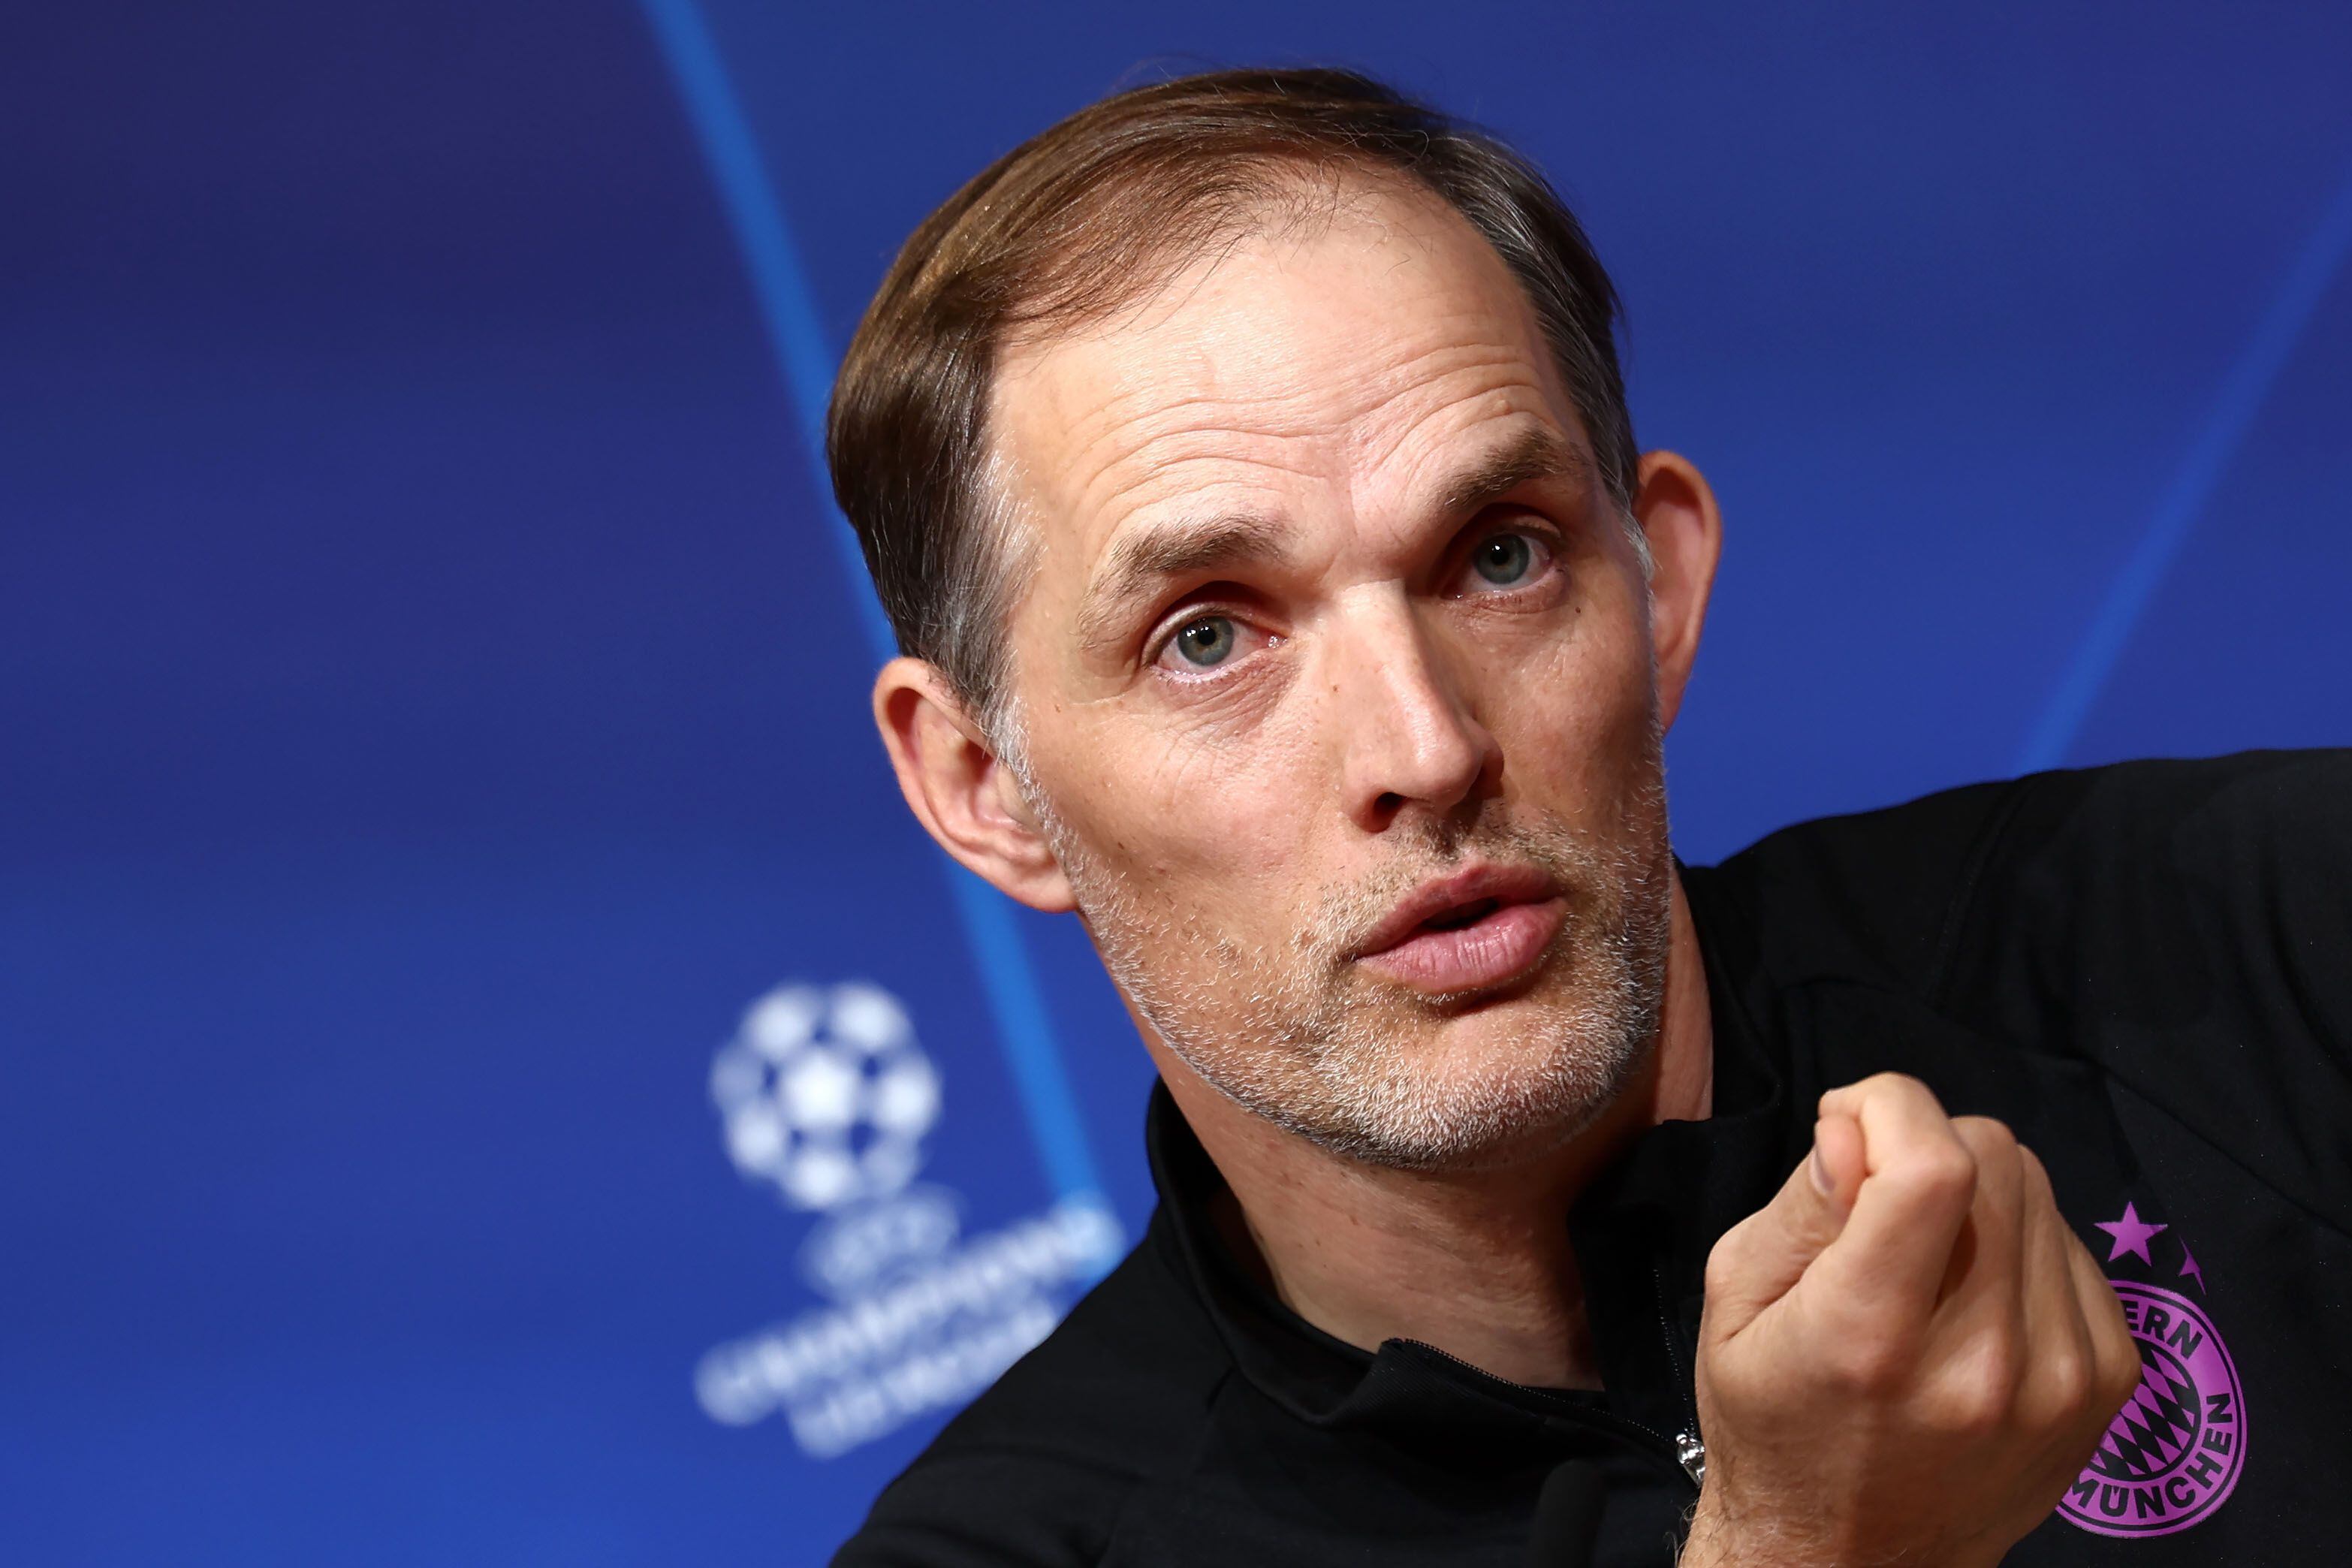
1300 1035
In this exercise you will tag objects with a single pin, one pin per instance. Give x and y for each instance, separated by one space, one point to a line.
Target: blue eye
1505 559
1205 643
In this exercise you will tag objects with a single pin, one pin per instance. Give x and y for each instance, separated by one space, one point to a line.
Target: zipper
1690 1452
1692 1455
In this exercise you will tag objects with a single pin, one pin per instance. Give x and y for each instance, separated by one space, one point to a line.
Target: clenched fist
1907 1356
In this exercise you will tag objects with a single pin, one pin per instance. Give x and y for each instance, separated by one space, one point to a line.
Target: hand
1907 1356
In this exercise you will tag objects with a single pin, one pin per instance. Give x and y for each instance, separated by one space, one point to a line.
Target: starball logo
825 1097
825 1094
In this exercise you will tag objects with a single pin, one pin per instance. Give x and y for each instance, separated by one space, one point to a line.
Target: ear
1677 513
958 788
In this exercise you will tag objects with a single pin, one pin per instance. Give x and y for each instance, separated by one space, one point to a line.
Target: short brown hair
1087 217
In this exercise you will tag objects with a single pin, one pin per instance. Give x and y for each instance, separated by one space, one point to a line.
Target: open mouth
1484 927
1461 915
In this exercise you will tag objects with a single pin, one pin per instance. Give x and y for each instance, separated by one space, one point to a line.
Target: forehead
1364 347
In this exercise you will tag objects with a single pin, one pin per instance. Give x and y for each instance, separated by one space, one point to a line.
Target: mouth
1475 930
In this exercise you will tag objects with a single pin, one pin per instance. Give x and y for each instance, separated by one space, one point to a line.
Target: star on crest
2132 1234
2188 1267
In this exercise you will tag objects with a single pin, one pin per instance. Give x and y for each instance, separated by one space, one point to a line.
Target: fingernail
1821 1170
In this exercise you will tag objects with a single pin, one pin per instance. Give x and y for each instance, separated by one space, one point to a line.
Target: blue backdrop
432 695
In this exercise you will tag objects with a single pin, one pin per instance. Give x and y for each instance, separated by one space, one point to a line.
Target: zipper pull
1693 1455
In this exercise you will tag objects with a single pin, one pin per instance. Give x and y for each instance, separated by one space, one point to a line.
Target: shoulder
2188 927
2182 927
2249 819
1913 896
1038 1469
2164 891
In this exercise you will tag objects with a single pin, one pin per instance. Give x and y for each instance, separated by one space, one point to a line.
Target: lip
1499 946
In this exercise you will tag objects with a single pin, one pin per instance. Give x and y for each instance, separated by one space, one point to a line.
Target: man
1244 465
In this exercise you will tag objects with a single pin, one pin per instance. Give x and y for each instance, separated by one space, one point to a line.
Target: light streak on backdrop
1023 1029
2202 468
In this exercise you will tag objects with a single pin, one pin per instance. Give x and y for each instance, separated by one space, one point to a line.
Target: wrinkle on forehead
1293 357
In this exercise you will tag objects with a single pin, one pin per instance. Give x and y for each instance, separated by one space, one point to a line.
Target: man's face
1335 691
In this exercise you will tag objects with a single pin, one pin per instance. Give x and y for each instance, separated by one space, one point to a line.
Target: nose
1409 742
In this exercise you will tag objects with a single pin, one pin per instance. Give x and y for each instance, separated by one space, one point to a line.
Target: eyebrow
1140 562
1540 454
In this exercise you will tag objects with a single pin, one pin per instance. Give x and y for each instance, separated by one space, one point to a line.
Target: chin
1509 1080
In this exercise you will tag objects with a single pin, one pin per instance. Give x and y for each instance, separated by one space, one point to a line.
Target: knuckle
1974 1413
1901 1085
1985 1136
2003 1371
2119 1377
1869 1366
1731 1262
1966 1404
1987 1382
1878 1085
2065 1381
2114 1359
1723 1269
1941 1173
2037 1177
2104 1311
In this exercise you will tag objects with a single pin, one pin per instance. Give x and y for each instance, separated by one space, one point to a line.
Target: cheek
1573 719
1186 809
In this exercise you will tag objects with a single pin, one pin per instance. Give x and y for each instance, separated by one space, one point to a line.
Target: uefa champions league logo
825 1095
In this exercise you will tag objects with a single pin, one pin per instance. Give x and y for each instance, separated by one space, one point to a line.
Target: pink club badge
2175 1450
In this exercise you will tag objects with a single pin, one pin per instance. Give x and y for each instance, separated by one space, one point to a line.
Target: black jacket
2145 970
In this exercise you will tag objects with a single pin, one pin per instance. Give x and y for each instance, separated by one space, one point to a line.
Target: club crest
2175 1450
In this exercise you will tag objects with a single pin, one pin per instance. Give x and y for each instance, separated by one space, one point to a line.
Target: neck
1476 1263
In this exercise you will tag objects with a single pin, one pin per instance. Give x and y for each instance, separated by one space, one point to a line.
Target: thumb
1761 1259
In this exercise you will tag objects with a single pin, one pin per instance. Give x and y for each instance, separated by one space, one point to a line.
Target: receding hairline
1273 192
